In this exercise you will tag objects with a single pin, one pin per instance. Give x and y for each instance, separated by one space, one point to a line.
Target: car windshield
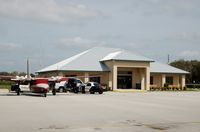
89 84
78 81
24 82
96 84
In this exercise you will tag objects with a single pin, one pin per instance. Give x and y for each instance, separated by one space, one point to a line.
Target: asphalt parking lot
109 112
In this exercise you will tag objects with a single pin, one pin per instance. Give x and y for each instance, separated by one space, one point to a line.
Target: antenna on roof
57 71
168 59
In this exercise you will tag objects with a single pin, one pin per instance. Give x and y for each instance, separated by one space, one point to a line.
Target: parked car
93 87
60 84
75 85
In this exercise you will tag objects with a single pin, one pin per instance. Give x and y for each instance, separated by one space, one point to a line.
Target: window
96 84
124 72
70 75
24 82
169 80
151 80
89 84
78 81
95 79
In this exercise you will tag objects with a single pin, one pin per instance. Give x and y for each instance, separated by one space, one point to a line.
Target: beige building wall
176 80
159 79
140 74
182 80
136 77
147 79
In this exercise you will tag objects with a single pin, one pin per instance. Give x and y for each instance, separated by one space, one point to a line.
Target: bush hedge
193 86
5 84
166 88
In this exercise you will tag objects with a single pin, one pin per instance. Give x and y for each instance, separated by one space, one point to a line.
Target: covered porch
130 78
167 80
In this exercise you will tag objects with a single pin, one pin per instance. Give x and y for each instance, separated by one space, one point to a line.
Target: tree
14 73
4 73
192 66
22 74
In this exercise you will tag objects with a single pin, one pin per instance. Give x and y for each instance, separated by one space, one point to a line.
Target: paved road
110 112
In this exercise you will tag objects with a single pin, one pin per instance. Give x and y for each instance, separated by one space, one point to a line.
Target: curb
130 91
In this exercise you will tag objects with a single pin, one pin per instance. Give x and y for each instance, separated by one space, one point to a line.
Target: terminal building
117 69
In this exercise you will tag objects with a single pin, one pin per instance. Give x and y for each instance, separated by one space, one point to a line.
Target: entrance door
124 82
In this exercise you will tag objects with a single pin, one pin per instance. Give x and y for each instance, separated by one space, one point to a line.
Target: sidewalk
129 90
4 91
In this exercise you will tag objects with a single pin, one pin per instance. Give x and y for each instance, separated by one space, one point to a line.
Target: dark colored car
75 85
93 87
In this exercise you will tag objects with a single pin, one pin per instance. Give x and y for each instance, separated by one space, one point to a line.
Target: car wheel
100 91
75 90
54 92
45 94
83 90
61 89
18 91
91 92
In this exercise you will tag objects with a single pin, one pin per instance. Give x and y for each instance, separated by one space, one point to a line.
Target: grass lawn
193 89
5 84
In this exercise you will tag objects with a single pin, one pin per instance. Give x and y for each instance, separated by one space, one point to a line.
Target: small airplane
31 85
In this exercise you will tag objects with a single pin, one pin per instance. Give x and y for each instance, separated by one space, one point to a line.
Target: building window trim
170 80
151 80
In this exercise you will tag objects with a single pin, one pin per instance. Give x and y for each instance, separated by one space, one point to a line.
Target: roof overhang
127 60
169 73
71 71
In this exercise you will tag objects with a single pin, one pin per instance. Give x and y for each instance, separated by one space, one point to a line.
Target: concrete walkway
109 112
4 91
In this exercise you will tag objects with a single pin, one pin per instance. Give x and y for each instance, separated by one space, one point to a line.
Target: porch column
142 80
182 81
163 80
147 86
114 77
110 81
86 77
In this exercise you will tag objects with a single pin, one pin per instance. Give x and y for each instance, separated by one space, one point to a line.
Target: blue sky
48 31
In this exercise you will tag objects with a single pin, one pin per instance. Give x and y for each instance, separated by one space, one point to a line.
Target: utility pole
28 73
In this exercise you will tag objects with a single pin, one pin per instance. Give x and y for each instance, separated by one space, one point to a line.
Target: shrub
166 85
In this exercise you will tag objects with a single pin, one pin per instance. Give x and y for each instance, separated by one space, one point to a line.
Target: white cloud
188 36
45 10
8 47
86 43
6 62
78 42
173 7
190 54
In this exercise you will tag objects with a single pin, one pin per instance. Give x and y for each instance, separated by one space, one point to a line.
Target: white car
60 86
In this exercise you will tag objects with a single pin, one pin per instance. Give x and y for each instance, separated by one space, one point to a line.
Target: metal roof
93 60
157 67
125 55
